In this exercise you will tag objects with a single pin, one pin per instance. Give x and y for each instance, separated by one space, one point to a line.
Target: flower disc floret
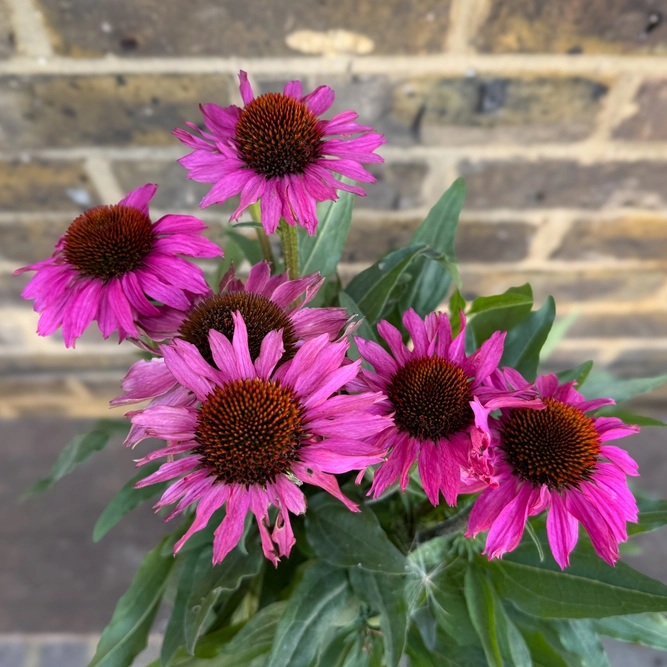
249 431
556 447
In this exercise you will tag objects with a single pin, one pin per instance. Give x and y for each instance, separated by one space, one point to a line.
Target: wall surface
553 111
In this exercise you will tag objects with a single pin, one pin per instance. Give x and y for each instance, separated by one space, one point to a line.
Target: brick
231 28
28 242
6 35
45 186
646 123
369 240
493 242
176 192
644 325
639 363
573 26
570 287
12 653
628 238
64 654
399 186
564 183
121 110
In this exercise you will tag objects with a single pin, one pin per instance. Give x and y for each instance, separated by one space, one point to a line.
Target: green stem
263 239
452 525
290 243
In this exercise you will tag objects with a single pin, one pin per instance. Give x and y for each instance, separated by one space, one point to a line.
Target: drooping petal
562 531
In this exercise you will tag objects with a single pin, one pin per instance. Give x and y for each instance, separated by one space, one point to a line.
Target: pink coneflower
110 260
259 432
556 459
275 149
429 393
266 304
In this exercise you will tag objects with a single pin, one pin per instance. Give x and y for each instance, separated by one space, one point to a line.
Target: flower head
555 458
276 150
111 260
430 392
252 433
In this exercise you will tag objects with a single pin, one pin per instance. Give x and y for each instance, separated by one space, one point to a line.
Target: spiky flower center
108 241
278 135
557 446
431 397
259 314
249 431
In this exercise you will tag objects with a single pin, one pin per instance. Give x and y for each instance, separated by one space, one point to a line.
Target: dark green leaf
429 282
80 449
500 639
578 374
525 340
628 417
376 289
456 304
210 585
249 247
589 588
127 633
647 629
316 601
322 251
350 539
445 653
482 326
127 499
365 330
499 302
385 594
652 515
603 385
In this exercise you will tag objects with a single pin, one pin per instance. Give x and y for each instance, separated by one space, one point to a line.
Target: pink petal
327 482
246 92
506 531
140 197
417 330
208 504
270 354
602 537
395 341
320 100
439 471
377 356
121 306
397 466
169 470
144 380
244 365
270 207
258 277
562 530
621 458
228 533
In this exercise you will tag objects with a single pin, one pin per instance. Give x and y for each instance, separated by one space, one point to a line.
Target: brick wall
553 111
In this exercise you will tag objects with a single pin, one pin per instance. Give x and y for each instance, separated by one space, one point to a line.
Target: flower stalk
263 239
288 238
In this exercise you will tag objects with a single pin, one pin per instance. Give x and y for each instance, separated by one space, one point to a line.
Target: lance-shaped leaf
578 374
350 539
429 282
322 251
127 633
603 385
652 515
647 629
588 588
79 449
315 603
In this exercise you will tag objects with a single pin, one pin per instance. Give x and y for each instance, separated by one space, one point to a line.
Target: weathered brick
231 28
398 186
45 186
644 325
12 653
64 654
29 242
493 242
564 183
118 110
369 240
639 363
647 123
571 287
574 26
6 33
629 238
176 193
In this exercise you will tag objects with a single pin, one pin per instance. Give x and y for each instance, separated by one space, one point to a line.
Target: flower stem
263 239
290 243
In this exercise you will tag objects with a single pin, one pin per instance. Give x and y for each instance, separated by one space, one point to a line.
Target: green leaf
524 342
647 629
249 247
322 251
578 374
500 639
429 282
365 330
127 633
456 304
603 385
588 588
500 301
652 515
127 499
211 583
444 653
316 601
376 289
484 324
79 449
385 594
628 417
350 539
557 333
